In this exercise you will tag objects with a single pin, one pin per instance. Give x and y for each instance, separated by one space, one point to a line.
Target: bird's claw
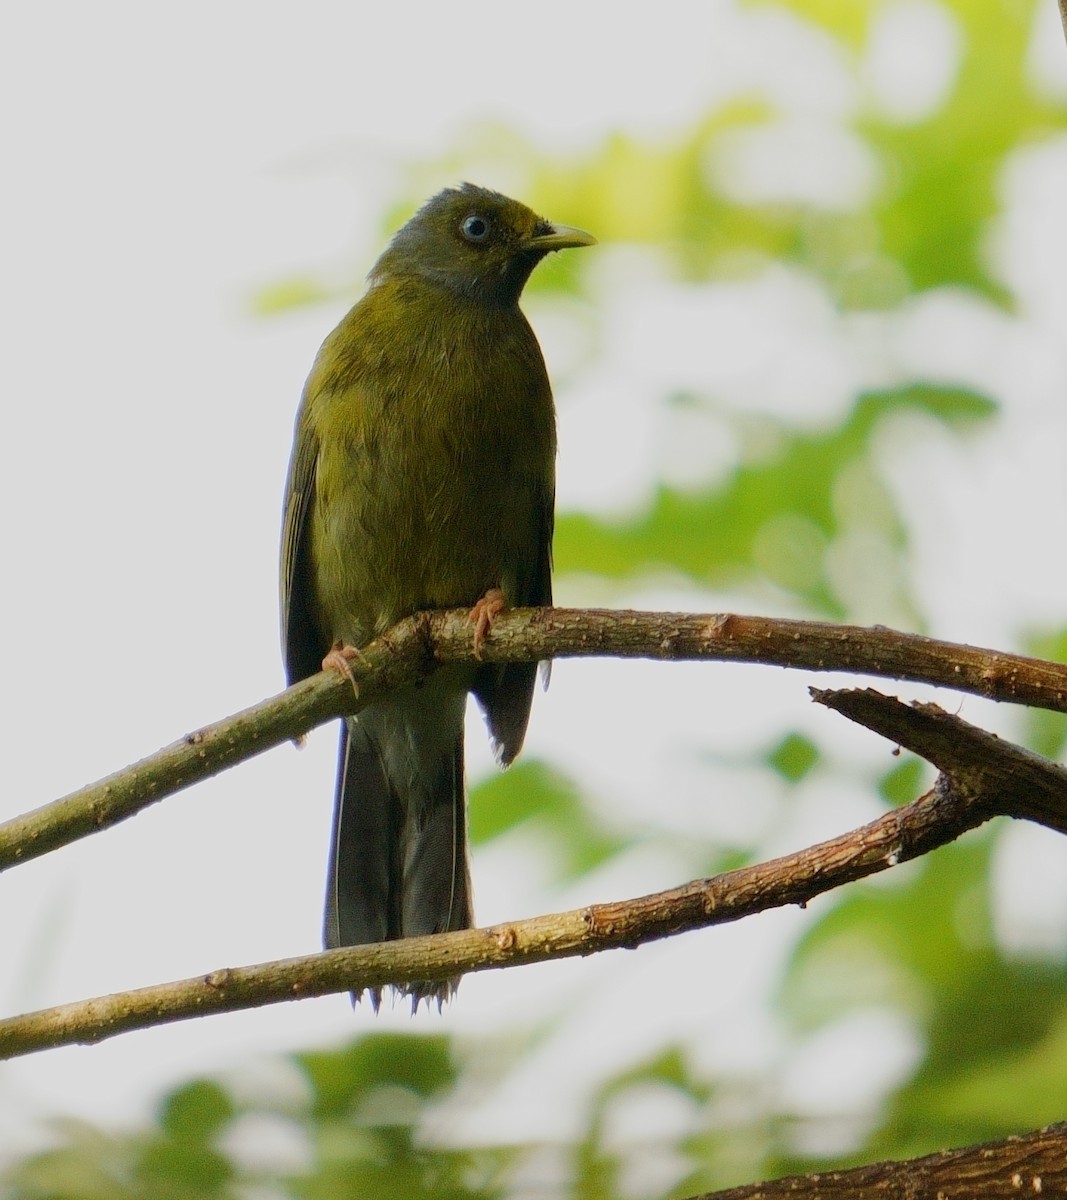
484 612
340 658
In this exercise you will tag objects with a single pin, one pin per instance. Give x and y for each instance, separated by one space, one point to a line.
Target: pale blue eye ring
475 228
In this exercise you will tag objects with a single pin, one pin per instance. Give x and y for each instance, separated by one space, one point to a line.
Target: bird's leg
340 658
485 611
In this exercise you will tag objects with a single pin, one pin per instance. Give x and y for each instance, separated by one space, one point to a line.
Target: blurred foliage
776 517
354 1131
991 1030
533 798
924 946
941 172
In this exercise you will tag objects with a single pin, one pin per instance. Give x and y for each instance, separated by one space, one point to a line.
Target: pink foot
340 658
490 606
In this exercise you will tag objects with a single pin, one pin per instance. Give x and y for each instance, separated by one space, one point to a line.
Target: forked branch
415 646
985 782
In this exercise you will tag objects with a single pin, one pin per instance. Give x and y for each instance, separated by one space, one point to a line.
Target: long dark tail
398 856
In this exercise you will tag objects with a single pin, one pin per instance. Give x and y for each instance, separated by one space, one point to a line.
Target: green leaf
793 757
196 1112
340 1078
904 782
169 1170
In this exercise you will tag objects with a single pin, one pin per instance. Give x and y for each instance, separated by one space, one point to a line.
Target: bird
422 476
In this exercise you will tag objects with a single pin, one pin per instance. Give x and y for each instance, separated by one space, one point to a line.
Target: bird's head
476 242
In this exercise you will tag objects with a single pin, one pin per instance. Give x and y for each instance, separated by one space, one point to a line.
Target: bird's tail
398 855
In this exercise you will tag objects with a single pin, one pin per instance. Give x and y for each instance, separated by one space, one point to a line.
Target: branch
1012 781
412 648
1031 1164
933 820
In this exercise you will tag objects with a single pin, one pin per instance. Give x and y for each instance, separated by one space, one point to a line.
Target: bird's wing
506 692
301 644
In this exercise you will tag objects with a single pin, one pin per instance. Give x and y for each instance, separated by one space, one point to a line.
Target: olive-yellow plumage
422 476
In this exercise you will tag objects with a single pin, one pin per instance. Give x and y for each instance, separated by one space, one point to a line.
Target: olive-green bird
422 476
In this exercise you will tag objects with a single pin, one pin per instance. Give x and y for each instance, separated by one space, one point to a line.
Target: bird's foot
487 609
340 658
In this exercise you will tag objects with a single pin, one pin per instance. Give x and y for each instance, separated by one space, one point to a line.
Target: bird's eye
475 228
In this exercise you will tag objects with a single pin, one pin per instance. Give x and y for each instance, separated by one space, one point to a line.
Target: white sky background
161 163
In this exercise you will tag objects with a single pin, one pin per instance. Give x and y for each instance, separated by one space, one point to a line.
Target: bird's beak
559 237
